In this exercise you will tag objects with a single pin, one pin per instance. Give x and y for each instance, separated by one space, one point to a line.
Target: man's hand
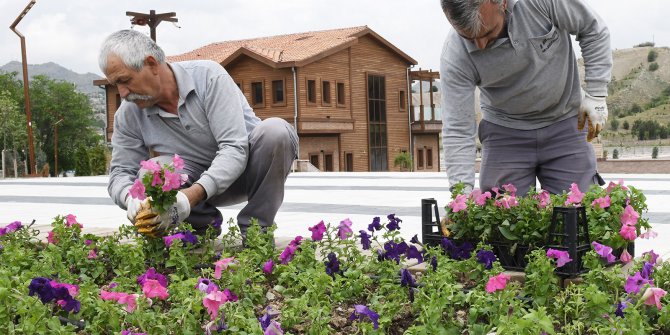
150 223
593 110
133 206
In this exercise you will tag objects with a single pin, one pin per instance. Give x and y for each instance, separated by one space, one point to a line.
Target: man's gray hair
464 14
132 47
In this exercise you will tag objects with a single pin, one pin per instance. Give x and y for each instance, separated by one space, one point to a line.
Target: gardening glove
594 110
149 222
133 206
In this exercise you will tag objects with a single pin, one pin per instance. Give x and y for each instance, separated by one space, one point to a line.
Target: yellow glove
593 109
150 223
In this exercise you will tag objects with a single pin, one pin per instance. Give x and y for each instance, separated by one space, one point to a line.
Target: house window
402 103
341 96
328 162
377 137
257 94
278 92
314 160
419 159
349 162
325 92
429 158
311 91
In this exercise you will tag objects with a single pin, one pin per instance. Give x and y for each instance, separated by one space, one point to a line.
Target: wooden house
352 107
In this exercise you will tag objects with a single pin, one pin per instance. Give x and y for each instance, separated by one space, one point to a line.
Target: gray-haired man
520 55
193 109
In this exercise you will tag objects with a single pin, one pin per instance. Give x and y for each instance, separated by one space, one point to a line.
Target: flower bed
335 282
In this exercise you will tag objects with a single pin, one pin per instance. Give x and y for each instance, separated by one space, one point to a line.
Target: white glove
149 222
133 206
593 109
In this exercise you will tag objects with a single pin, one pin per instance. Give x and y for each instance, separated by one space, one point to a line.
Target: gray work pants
273 146
557 155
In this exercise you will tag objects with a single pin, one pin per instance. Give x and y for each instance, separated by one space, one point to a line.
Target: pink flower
604 251
544 198
72 289
172 181
509 188
626 256
603 202
344 229
70 220
575 196
156 179
628 232
629 216
177 162
507 201
562 257
458 204
170 238
652 296
152 289
480 200
317 231
121 298
267 267
649 234
92 254
288 253
222 265
612 185
497 283
137 190
212 301
51 238
150 165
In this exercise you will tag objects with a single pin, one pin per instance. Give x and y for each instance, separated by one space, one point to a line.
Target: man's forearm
195 194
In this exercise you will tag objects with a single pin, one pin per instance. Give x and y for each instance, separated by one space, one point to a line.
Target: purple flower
375 225
70 304
265 321
653 257
217 223
88 242
561 257
406 278
457 252
206 286
415 240
152 274
361 311
273 329
647 270
365 240
486 257
394 222
635 282
42 287
414 253
230 296
190 238
433 263
168 240
317 231
619 309
332 265
288 253
344 229
604 251
268 266
394 250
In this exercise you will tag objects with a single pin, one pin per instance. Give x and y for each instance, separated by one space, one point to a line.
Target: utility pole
26 93
152 19
56 146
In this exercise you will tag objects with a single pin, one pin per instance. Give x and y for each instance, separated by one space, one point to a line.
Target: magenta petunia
268 266
544 198
150 165
222 265
604 251
168 240
172 181
177 162
635 283
497 283
156 180
458 204
344 229
561 257
212 301
603 202
137 190
70 220
629 216
317 231
628 232
575 196
92 254
153 289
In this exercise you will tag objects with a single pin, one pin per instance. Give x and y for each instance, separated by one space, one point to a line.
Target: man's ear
152 63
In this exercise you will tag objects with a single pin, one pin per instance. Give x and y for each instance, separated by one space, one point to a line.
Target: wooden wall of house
246 70
370 57
321 146
333 69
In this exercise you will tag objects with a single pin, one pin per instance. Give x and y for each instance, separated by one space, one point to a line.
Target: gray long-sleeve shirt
210 131
528 80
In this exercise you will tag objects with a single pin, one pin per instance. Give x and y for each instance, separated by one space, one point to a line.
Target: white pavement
310 198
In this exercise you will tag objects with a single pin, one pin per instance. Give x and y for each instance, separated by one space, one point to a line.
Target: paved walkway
310 198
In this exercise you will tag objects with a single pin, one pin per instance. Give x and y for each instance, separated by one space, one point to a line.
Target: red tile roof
287 50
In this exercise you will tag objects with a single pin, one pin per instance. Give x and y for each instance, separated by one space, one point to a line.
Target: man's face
138 87
493 23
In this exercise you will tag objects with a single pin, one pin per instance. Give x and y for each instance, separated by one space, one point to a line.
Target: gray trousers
557 155
273 146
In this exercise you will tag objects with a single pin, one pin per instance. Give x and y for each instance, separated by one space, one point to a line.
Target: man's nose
123 90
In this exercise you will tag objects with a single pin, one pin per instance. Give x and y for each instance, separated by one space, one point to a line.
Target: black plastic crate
511 256
430 223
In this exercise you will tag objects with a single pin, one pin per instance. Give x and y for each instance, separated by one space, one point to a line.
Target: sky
69 32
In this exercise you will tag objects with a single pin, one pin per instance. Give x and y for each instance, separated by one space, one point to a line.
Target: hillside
52 70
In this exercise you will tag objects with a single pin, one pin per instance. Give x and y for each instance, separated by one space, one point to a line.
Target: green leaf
507 233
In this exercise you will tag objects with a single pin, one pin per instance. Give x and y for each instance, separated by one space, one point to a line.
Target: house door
377 123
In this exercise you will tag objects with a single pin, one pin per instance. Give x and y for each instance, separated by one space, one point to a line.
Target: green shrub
653 67
615 154
626 125
654 153
404 160
98 160
652 55
82 162
614 124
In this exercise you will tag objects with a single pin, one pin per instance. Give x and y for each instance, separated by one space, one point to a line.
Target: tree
12 124
626 125
651 56
614 124
654 153
98 158
82 162
404 160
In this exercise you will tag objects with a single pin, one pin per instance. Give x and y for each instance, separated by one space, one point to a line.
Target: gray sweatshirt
210 132
527 80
